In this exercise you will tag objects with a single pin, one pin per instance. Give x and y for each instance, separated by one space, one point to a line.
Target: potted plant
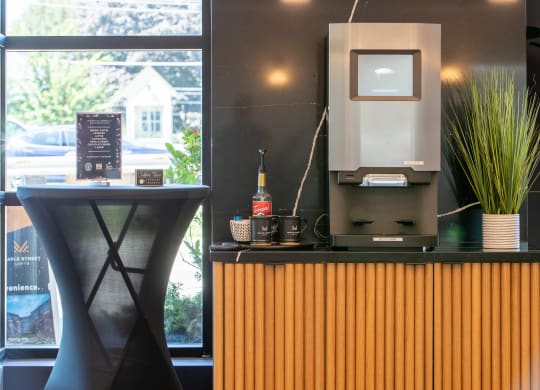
493 136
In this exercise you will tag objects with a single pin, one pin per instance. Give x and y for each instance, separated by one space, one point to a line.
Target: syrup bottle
261 202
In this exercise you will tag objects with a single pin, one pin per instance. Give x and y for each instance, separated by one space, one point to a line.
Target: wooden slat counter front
337 320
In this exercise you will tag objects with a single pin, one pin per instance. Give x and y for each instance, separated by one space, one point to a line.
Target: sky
15 8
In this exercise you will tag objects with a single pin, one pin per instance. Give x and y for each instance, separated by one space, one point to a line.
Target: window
150 123
149 61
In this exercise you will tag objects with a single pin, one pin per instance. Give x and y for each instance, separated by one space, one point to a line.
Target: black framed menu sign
99 145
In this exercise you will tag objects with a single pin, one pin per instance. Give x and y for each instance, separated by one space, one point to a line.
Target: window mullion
31 43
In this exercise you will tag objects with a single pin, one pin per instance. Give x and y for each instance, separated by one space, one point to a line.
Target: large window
147 60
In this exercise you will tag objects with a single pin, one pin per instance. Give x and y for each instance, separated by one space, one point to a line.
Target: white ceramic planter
500 231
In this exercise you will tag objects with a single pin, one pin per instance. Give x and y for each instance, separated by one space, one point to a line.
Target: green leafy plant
183 316
183 313
185 168
185 164
493 136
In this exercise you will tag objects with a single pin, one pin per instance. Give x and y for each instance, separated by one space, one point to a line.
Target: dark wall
533 80
252 37
533 46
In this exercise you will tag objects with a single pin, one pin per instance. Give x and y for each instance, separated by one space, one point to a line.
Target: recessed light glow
502 2
277 78
294 2
451 74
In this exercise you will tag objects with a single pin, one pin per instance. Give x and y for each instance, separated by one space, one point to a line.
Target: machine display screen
385 75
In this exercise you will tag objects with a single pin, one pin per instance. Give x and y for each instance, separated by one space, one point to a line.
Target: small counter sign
99 145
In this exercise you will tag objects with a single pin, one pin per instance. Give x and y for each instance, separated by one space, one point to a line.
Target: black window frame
86 43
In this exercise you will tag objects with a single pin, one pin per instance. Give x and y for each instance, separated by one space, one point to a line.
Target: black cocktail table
111 250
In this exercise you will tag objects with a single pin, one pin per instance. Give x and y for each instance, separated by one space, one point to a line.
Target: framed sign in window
99 145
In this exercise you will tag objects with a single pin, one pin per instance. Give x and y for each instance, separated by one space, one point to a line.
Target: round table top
126 192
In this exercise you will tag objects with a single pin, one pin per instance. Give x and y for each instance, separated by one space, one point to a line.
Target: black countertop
445 253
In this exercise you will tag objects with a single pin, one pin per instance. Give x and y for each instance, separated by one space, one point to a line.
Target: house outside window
148 101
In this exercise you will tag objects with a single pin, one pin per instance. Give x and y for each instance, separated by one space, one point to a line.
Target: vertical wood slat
330 321
390 327
278 329
476 326
379 324
289 336
506 315
466 320
260 329
341 308
437 327
269 323
535 326
515 326
446 321
486 325
219 328
495 326
299 319
309 330
360 335
249 327
409 328
525 326
239 331
370 327
419 330
428 326
280 313
456 327
319 327
399 336
350 331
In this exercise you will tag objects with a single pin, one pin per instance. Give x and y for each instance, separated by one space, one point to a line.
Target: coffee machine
384 122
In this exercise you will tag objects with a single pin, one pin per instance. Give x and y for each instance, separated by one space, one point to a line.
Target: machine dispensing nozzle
384 180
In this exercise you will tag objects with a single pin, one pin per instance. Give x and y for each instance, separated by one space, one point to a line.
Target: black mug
274 236
290 229
261 229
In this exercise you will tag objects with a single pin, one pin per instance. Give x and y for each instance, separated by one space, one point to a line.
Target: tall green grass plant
493 136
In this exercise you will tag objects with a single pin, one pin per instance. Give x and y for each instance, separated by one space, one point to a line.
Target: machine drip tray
356 241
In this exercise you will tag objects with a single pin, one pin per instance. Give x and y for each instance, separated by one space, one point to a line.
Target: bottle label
261 207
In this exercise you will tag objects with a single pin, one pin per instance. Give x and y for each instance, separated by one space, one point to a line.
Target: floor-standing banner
31 305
